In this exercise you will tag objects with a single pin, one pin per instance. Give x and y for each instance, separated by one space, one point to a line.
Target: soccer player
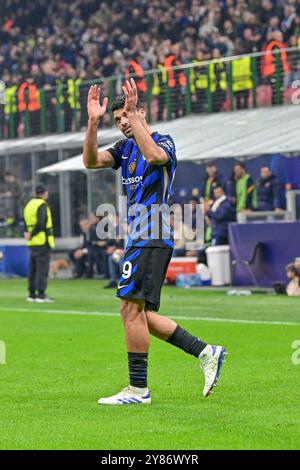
148 162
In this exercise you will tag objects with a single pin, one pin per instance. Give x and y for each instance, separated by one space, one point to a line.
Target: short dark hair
265 166
194 199
241 164
292 268
119 103
210 164
40 189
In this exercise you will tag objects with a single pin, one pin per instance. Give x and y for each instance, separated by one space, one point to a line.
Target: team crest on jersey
132 166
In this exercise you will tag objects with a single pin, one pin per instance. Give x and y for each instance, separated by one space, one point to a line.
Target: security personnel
245 190
201 77
73 99
39 235
134 68
219 75
159 87
11 109
176 82
269 62
242 82
68 100
29 100
61 86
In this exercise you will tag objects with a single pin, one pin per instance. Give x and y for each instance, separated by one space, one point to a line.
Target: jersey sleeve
167 143
116 152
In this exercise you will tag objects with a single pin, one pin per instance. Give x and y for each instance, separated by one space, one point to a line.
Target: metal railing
227 84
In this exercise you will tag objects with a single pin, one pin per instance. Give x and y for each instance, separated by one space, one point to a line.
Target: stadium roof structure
70 140
242 134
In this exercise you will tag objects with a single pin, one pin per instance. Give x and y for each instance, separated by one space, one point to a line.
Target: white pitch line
175 317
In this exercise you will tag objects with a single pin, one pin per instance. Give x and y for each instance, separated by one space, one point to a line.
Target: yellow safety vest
242 74
60 91
11 105
31 217
299 42
74 93
156 89
199 80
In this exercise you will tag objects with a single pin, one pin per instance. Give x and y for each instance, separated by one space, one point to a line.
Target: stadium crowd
53 45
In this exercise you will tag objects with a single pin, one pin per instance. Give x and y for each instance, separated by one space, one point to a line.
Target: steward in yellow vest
11 109
219 77
202 78
242 82
245 189
39 236
160 80
11 105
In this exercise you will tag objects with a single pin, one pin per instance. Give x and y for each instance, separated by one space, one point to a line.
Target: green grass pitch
61 358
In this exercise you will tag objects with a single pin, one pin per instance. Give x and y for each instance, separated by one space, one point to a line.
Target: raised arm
154 154
91 157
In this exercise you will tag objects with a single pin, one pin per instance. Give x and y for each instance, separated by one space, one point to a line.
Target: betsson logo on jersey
132 180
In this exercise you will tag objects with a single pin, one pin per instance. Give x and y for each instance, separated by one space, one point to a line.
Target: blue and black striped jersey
147 188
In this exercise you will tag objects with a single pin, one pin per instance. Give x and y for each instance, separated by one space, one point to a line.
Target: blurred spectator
293 287
294 62
191 221
230 188
79 256
221 213
244 192
212 180
97 252
199 79
188 240
268 191
297 265
159 84
10 201
179 241
219 81
114 251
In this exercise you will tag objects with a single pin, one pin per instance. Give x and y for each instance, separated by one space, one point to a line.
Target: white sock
138 391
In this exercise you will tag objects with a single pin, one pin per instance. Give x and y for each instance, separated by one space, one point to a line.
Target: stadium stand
50 50
187 57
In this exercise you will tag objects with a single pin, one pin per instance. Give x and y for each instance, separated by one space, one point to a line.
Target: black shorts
144 272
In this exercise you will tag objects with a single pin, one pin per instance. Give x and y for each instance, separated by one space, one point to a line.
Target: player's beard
129 135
